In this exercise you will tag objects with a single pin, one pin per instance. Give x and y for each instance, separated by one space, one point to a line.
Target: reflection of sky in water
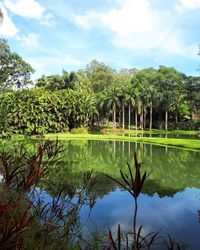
173 170
177 215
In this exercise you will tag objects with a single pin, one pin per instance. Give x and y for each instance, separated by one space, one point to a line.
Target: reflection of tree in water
171 172
152 187
73 179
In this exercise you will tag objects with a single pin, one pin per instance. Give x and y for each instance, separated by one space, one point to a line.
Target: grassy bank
164 132
186 143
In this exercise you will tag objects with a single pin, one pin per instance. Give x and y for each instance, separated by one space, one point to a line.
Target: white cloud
30 9
89 20
7 28
25 8
29 41
48 19
187 5
132 17
136 25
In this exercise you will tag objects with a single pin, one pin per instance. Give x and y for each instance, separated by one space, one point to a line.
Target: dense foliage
14 71
41 111
96 96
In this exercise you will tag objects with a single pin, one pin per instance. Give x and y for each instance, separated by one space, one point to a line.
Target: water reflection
176 216
172 169
170 198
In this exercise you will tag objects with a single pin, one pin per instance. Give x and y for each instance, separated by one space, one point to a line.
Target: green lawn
186 143
164 132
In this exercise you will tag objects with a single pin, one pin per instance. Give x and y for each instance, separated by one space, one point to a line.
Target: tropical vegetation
95 96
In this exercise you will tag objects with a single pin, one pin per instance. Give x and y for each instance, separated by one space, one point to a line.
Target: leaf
112 241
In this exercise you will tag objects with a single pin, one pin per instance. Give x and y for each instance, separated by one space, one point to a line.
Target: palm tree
112 101
131 100
138 83
122 98
101 101
143 82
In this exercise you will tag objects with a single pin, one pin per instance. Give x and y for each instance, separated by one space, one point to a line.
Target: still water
170 199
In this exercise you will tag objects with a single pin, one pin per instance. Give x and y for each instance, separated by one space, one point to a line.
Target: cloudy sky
67 34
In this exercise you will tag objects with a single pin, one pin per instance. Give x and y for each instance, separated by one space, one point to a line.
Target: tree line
95 96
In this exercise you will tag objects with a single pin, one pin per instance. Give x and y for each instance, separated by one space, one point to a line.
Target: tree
69 79
122 78
150 92
100 76
112 101
42 81
139 83
121 81
14 71
57 82
131 100
82 81
193 95
169 84
122 98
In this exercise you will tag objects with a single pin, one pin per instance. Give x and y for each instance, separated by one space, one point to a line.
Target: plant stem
134 219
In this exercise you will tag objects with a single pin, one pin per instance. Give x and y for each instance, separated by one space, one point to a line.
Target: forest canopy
95 96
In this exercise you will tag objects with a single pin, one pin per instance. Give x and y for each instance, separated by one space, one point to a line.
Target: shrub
81 130
112 130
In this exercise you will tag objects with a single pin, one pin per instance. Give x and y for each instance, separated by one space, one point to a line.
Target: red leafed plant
20 174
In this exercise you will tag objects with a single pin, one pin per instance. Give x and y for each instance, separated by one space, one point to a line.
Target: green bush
185 125
81 130
112 130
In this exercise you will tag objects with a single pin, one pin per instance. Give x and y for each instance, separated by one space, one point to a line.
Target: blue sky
67 34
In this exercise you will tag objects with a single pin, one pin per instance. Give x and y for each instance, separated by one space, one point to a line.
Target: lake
170 199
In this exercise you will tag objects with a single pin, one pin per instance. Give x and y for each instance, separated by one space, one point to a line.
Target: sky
53 35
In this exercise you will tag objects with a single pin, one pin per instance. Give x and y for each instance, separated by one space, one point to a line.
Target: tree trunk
141 119
176 117
144 119
123 115
119 120
98 123
91 119
190 116
129 116
136 118
150 124
114 118
166 118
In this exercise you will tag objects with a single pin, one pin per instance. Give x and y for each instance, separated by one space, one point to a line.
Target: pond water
170 200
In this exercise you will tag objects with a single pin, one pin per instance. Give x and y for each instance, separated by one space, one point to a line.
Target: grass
185 143
174 132
163 132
